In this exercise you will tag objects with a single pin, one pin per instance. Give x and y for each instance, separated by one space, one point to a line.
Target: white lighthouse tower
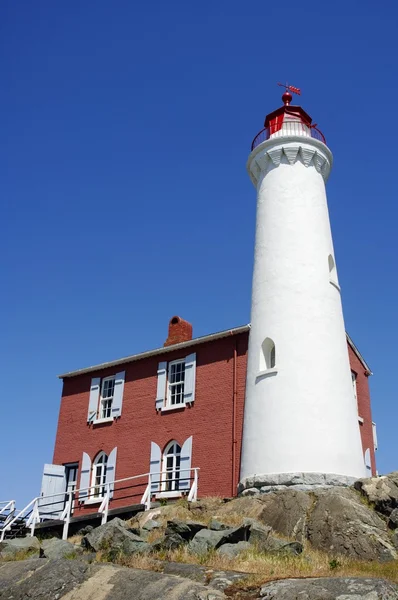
301 419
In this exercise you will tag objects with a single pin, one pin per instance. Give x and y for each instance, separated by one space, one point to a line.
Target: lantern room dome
287 121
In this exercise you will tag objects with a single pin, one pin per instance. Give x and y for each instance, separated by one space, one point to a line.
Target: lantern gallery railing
62 506
289 127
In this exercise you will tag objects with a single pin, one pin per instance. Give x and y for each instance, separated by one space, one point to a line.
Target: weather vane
290 88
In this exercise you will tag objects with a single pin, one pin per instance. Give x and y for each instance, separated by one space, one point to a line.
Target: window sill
174 494
360 419
175 407
93 501
101 421
335 284
267 373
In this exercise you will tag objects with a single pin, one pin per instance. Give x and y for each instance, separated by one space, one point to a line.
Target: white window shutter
118 394
161 391
53 481
111 470
85 476
368 463
185 465
94 397
190 378
155 467
374 431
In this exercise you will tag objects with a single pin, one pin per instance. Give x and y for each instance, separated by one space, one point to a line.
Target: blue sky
125 129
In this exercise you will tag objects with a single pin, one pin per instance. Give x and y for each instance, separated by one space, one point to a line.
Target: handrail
34 513
10 505
288 127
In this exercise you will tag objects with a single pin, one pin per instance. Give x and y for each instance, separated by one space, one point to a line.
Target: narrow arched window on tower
332 271
267 355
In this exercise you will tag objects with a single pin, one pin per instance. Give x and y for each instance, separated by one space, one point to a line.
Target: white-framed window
176 383
106 397
354 385
171 467
98 477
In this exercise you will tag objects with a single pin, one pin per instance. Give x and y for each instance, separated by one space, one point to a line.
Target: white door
53 485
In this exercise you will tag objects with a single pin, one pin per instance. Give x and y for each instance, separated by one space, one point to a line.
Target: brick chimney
179 331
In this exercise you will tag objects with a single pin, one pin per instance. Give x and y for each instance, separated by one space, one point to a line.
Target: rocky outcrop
12 548
115 535
56 548
333 588
335 520
62 579
381 492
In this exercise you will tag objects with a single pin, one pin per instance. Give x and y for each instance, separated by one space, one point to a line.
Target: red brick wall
364 405
209 420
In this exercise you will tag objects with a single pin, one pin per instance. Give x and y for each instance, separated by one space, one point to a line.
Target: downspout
234 402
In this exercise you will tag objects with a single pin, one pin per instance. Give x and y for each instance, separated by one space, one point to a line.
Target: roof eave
162 350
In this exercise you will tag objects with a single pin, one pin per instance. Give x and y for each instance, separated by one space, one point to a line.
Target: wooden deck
55 526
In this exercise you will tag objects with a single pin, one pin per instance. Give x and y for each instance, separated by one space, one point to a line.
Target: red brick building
165 412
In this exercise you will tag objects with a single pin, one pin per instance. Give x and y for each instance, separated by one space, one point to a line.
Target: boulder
393 519
333 588
63 579
150 525
115 535
186 529
232 550
258 533
340 523
27 545
394 539
206 539
216 525
382 492
56 548
170 541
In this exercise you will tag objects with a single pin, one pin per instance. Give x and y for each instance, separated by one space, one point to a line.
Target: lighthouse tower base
299 481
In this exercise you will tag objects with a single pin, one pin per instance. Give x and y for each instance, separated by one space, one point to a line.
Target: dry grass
20 555
263 567
75 539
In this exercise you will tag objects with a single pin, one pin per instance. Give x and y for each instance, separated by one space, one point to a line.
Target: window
171 467
71 481
267 355
176 381
332 272
98 479
354 385
106 400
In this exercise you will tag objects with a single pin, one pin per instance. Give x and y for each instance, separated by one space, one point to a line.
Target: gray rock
258 533
186 529
278 546
114 536
56 548
393 519
250 492
293 479
206 539
151 525
85 530
394 539
39 579
18 546
340 523
382 492
216 525
216 579
170 541
232 550
333 588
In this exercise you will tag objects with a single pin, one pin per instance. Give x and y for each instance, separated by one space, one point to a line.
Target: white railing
31 512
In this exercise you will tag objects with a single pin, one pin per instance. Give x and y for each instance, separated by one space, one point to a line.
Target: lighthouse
300 420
